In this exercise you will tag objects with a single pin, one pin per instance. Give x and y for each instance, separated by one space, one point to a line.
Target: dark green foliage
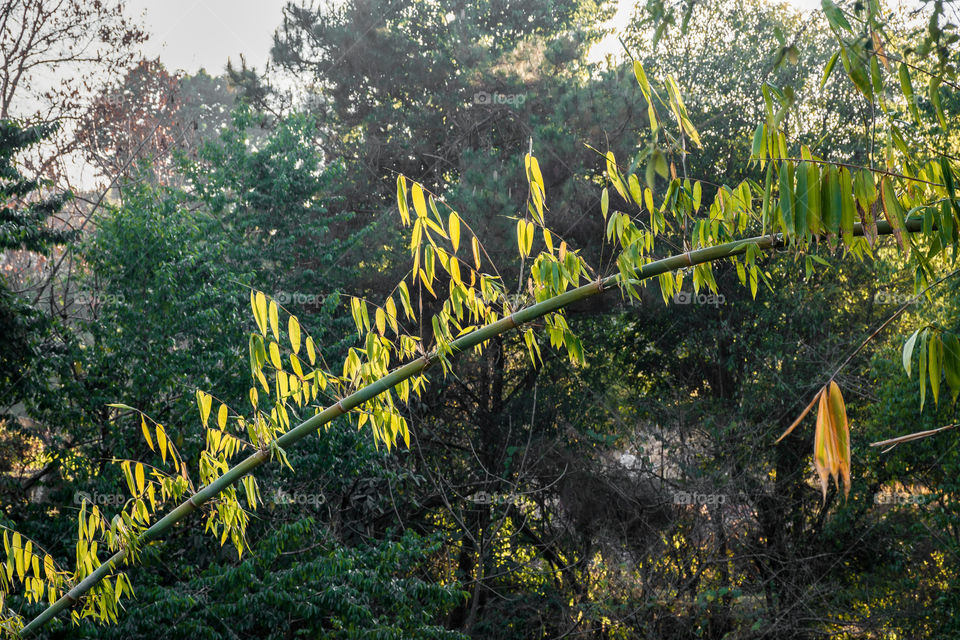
28 335
26 209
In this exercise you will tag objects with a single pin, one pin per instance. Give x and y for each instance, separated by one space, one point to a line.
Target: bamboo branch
464 343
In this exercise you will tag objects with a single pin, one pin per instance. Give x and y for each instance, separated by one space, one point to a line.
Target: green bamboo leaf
934 363
893 211
857 72
908 351
831 205
402 200
906 87
835 16
757 153
950 183
922 373
951 362
847 206
876 78
786 199
827 70
767 191
802 206
935 100
636 191
814 215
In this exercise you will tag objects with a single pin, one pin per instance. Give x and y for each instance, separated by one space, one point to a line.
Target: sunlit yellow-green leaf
293 328
419 202
453 227
259 303
274 320
146 433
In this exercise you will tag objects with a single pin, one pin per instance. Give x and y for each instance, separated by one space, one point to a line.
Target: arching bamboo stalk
464 343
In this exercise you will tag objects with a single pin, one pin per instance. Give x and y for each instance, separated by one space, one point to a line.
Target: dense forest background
637 496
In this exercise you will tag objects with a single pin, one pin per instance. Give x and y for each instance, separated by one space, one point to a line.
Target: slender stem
464 343
892 174
886 322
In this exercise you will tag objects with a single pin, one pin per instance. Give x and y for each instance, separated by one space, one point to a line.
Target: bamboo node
339 405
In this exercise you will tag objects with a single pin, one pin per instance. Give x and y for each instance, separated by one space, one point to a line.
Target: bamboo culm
355 399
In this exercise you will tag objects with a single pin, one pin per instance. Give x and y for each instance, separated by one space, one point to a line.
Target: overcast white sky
189 34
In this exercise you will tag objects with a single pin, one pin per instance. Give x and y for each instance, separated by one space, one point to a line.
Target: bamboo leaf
138 470
935 101
906 86
908 351
847 205
893 211
259 304
274 357
951 362
162 441
841 431
786 199
402 200
146 433
204 402
835 16
453 226
419 203
274 319
827 70
933 367
293 328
